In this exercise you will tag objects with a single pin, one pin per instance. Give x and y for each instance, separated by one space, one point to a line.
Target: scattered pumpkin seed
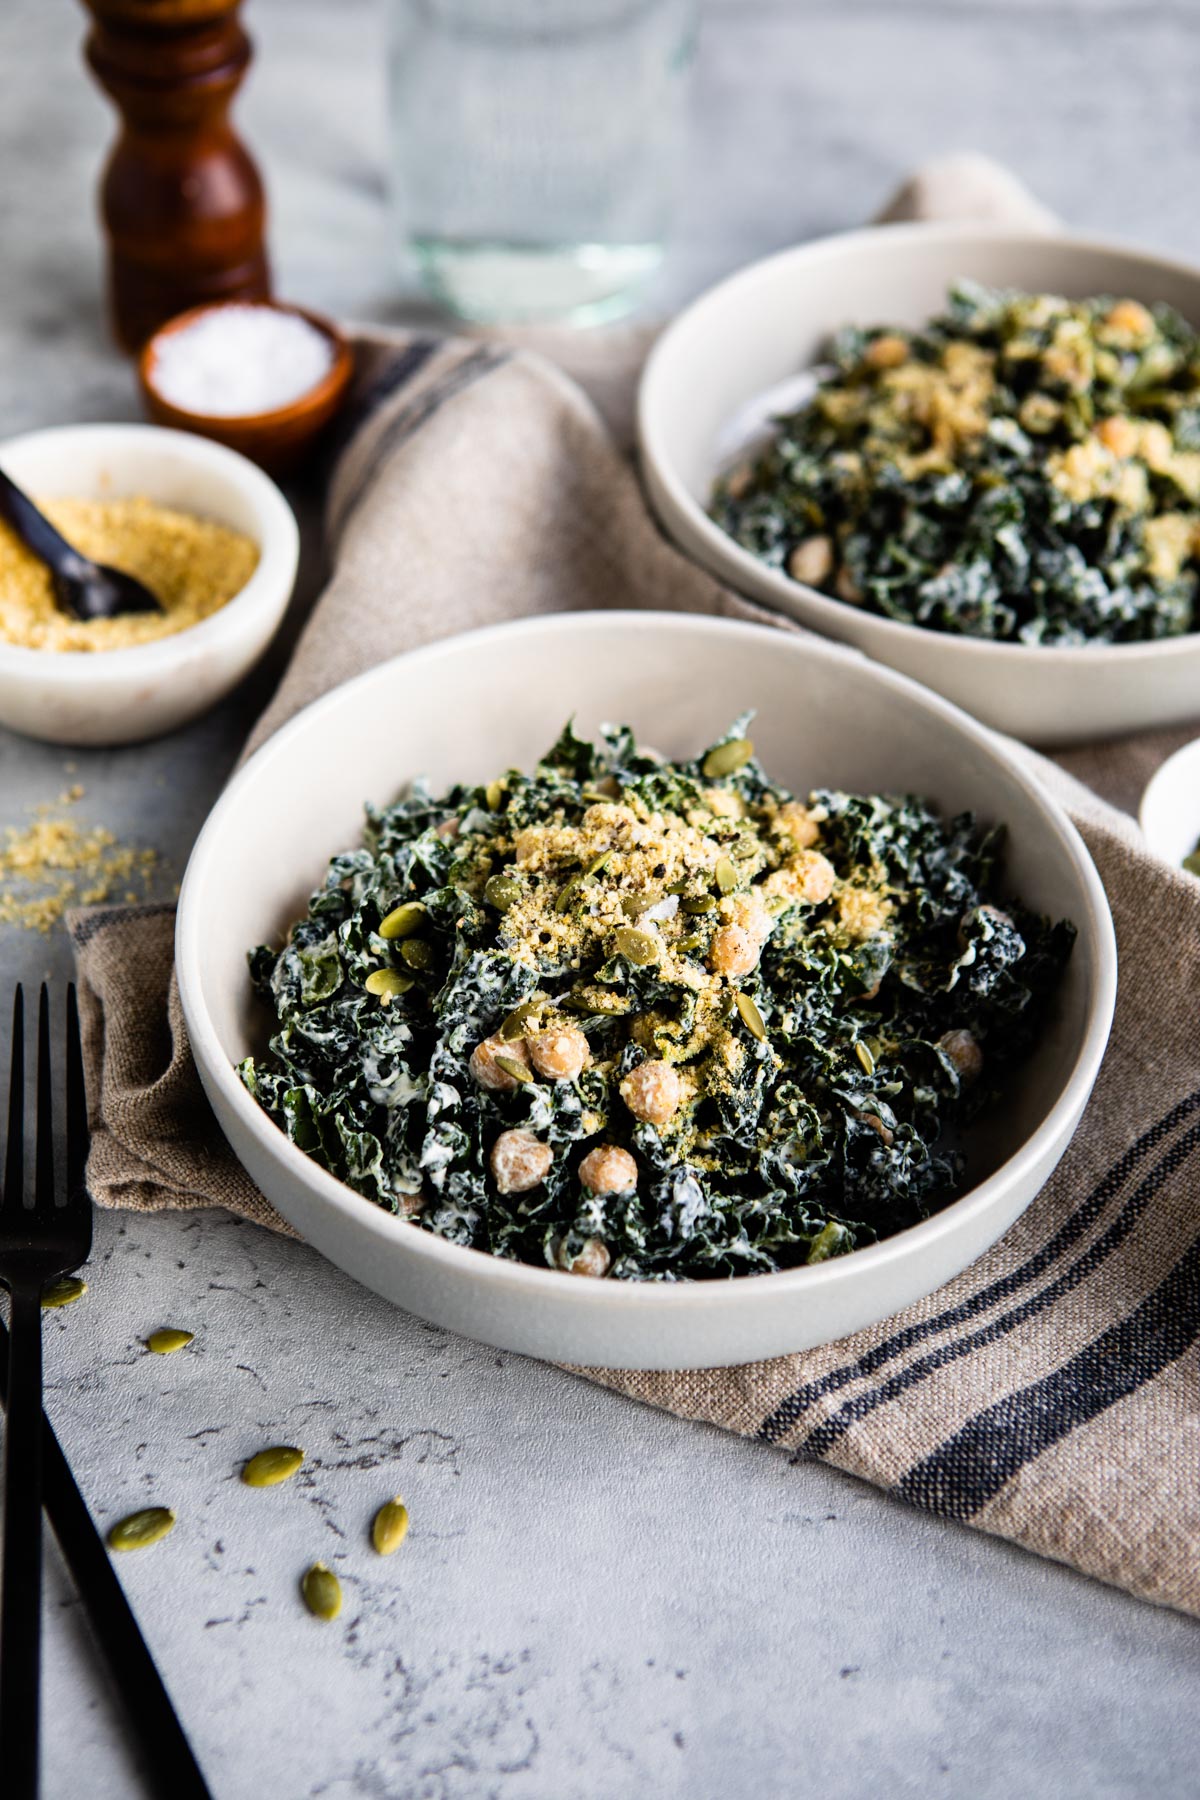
403 920
863 1053
389 1528
269 1467
778 903
495 795
63 1291
322 1591
514 1026
699 903
569 895
726 875
165 1341
725 758
502 891
610 1005
679 887
752 1019
637 947
512 1067
601 863
827 1242
417 953
387 984
692 942
137 1530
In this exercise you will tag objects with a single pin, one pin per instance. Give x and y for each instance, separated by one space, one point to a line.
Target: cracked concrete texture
594 1600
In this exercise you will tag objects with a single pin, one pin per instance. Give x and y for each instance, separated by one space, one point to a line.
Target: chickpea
484 1067
799 824
961 1049
608 1170
812 560
886 352
807 876
847 588
1118 434
738 480
592 1258
652 1092
1132 318
559 1053
520 1161
733 951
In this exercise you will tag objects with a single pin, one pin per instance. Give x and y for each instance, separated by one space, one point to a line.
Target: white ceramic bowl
774 319
125 696
449 711
1170 811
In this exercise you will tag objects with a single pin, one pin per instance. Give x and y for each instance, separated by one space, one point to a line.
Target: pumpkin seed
514 1026
495 795
387 984
322 1591
726 875
389 1528
63 1291
637 947
610 1005
699 903
502 891
725 758
269 1467
569 895
863 1053
164 1342
752 1019
601 863
402 921
417 953
693 942
679 887
512 1067
139 1529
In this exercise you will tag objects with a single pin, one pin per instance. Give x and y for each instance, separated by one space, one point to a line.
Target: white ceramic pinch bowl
125 696
1169 814
448 711
773 320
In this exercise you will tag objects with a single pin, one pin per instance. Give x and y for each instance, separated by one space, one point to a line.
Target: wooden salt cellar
180 197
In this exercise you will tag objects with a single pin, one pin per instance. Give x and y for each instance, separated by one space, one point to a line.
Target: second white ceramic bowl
465 709
125 696
773 320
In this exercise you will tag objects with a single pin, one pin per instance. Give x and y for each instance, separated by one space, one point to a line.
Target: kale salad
653 1020
1024 468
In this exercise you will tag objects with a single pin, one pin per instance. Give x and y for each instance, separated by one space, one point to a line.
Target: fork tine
14 1156
43 1192
77 1122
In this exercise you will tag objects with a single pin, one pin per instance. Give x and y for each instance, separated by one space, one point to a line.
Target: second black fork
42 1236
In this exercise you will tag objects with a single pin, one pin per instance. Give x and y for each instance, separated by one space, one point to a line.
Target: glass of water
535 145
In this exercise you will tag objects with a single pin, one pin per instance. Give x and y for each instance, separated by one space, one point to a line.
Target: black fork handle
170 1769
20 1632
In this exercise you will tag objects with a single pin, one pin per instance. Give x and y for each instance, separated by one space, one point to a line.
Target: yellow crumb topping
53 863
192 565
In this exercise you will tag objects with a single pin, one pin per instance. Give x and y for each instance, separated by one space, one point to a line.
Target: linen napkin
1049 1394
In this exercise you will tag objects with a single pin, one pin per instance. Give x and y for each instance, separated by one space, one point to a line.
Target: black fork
45 1232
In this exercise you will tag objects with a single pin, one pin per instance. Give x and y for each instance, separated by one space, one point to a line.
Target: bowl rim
389 1229
278 558
1162 778
245 425
746 572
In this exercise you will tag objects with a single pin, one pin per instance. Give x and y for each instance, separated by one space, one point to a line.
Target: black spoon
86 590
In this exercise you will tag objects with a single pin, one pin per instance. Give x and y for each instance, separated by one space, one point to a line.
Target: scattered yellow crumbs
53 863
193 566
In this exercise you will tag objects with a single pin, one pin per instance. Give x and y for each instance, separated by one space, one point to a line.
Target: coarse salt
237 361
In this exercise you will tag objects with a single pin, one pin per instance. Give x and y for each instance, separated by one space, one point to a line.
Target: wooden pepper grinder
180 197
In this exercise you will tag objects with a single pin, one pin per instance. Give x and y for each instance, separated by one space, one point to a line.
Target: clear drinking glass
535 146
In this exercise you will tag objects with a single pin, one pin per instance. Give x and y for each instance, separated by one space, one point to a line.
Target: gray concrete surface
595 1600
